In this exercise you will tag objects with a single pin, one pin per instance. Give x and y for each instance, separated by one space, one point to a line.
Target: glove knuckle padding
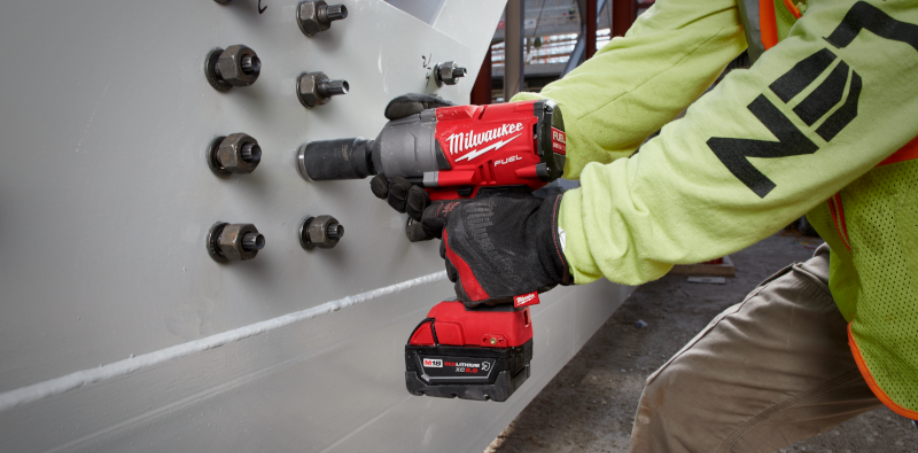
398 193
413 103
380 186
416 232
417 201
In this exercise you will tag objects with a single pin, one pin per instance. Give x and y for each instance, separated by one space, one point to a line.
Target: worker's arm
636 84
814 113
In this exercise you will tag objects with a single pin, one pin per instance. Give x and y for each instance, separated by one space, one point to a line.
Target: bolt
253 241
448 73
316 16
333 87
335 231
330 13
315 88
322 231
493 340
251 152
234 66
250 64
234 242
236 153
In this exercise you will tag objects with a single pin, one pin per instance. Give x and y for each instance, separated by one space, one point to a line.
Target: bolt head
307 89
230 242
307 17
229 154
230 66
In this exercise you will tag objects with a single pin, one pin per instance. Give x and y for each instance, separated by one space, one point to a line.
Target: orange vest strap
838 216
907 152
768 24
792 8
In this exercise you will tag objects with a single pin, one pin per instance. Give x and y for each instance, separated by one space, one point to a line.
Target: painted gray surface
425 10
105 200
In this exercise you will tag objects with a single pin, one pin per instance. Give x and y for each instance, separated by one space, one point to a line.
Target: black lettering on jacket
734 152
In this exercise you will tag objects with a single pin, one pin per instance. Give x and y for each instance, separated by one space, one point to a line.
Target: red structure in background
590 19
481 91
624 12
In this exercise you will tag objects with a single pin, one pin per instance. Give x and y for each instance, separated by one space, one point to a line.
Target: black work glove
403 196
500 246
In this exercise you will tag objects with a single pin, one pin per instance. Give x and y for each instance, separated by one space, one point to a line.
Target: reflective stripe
907 152
859 359
761 23
749 12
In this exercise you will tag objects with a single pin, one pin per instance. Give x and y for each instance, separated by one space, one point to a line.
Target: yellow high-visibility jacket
824 123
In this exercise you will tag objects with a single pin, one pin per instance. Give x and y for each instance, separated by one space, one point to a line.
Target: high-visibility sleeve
634 85
766 145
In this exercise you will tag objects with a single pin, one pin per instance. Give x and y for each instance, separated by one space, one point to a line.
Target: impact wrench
458 153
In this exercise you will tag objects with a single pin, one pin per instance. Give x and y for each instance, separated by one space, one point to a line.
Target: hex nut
229 66
315 16
308 91
229 242
225 155
210 71
224 242
448 73
314 232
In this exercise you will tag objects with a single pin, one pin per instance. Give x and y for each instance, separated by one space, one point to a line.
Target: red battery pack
479 354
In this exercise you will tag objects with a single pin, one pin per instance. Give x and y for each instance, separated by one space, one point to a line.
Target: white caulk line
36 392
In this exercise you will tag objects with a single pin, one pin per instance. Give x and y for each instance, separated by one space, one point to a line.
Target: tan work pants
763 374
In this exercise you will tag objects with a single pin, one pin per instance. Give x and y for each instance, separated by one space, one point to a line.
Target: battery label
464 368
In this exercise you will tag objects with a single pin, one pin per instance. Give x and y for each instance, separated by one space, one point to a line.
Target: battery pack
481 354
466 372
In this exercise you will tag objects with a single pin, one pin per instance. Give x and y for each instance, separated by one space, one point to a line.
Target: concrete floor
589 406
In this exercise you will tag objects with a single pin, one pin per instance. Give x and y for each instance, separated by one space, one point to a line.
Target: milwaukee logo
526 299
468 141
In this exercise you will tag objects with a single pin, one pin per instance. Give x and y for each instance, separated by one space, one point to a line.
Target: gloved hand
401 194
500 246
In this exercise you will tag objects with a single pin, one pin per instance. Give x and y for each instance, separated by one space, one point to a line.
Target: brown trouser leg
763 374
